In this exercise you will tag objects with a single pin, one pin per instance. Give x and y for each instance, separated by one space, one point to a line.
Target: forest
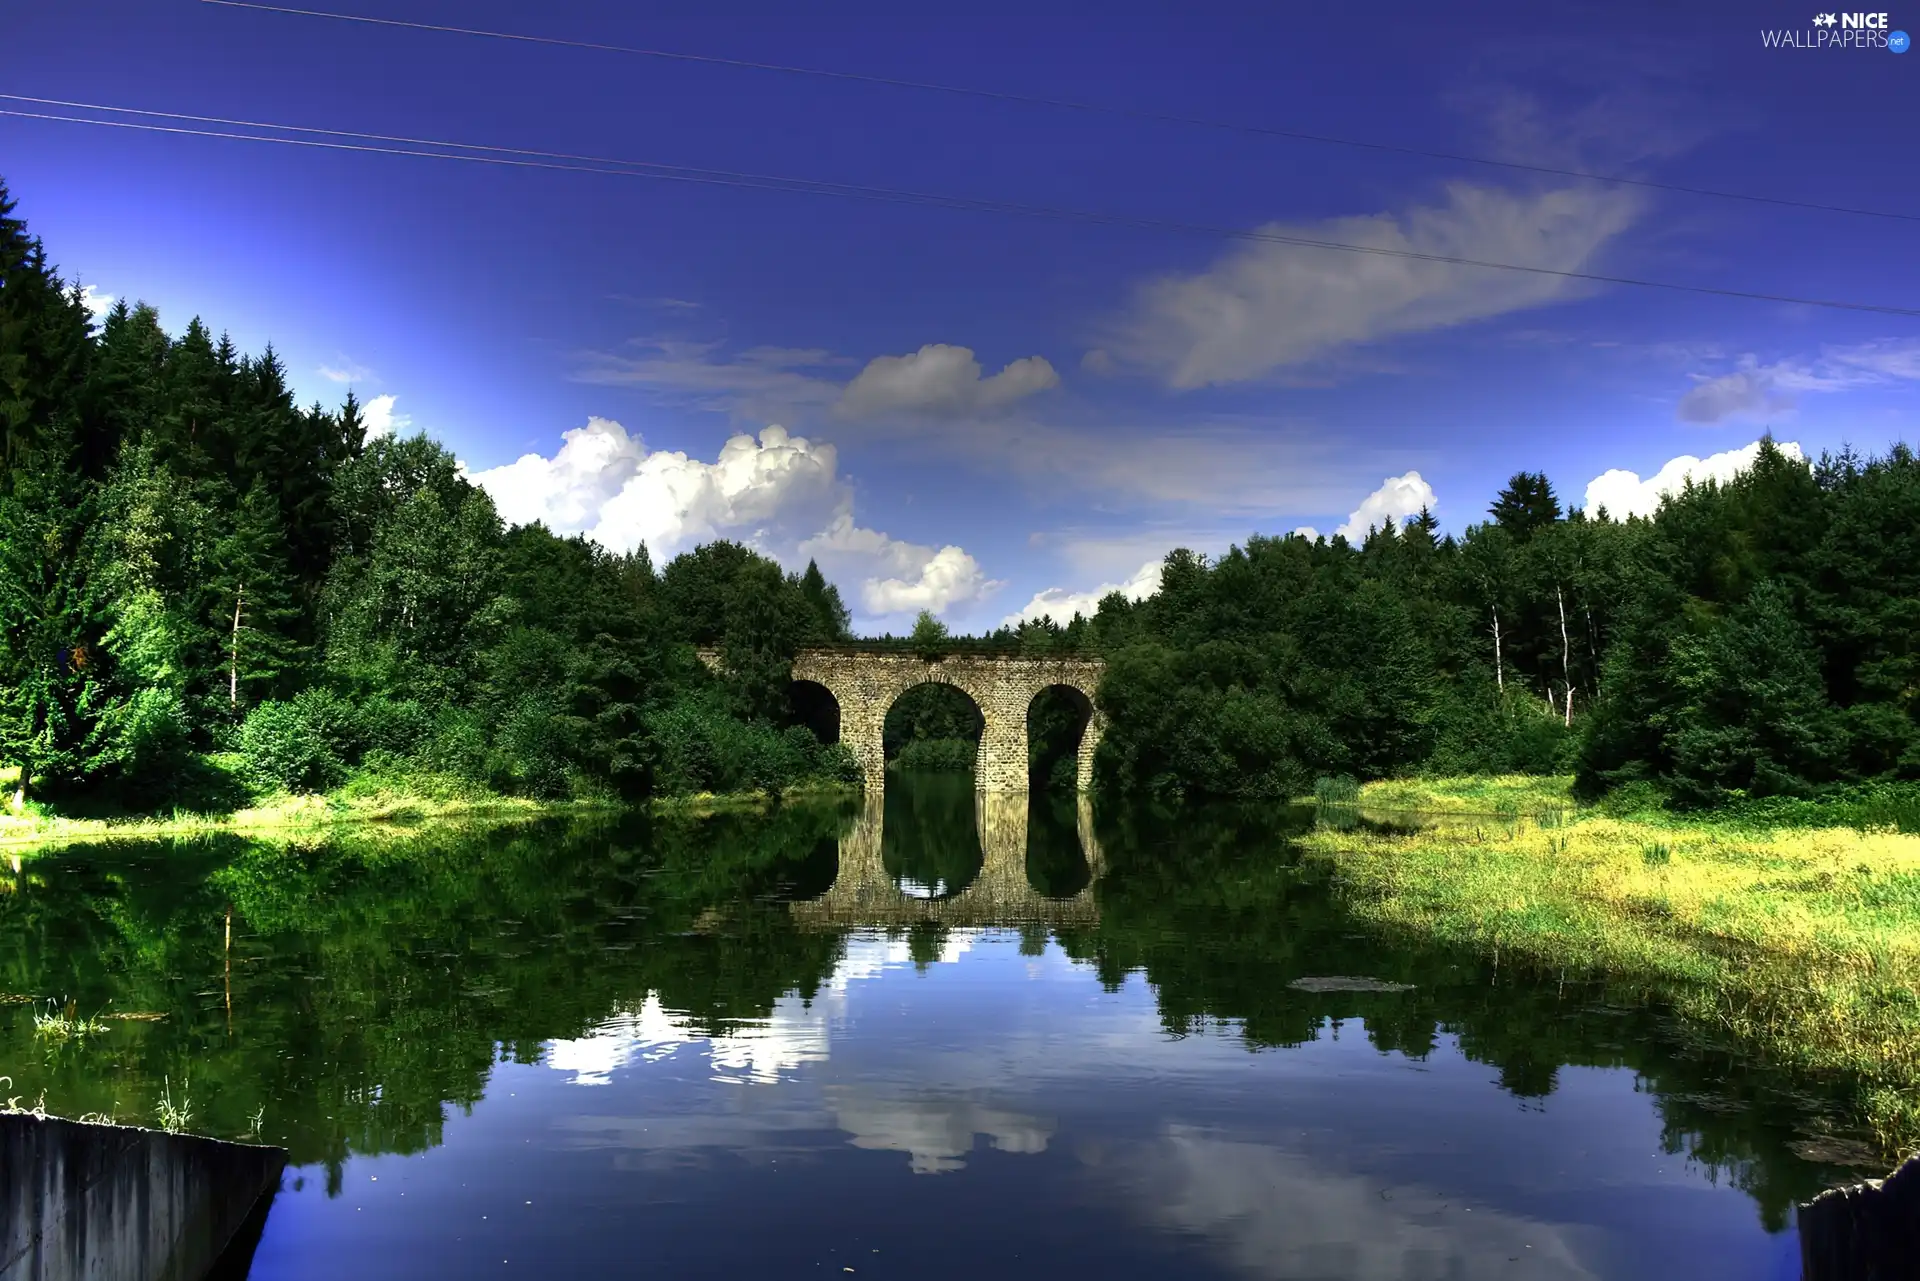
207 591
1752 639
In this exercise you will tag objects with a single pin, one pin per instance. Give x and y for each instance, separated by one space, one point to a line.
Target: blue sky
983 413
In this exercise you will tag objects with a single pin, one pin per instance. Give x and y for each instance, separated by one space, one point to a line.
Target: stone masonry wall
866 684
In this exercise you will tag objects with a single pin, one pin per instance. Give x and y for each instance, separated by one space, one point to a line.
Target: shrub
1338 790
954 754
398 727
284 750
458 746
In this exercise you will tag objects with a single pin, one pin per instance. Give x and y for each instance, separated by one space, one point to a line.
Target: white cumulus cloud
941 380
1624 494
1397 498
97 304
907 577
1265 305
777 492
1061 605
381 420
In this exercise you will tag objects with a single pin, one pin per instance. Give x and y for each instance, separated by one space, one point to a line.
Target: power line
1069 104
528 158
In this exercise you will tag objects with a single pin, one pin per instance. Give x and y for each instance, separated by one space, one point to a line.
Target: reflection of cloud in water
1279 1215
935 1131
759 1051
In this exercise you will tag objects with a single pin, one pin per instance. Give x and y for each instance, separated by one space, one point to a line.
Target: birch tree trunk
233 654
1566 651
1499 666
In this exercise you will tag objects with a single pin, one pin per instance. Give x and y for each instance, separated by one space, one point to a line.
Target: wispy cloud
759 383
347 371
1757 390
1263 306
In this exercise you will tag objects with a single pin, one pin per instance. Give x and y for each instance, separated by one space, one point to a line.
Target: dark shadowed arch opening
1056 865
930 837
1056 721
933 727
814 706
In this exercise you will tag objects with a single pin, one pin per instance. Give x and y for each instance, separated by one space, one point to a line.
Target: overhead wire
1069 104
529 158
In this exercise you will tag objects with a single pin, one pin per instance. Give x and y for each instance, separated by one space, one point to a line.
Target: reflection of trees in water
373 986
929 835
1056 865
1216 913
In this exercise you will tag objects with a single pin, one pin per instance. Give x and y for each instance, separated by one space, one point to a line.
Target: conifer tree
252 601
1527 505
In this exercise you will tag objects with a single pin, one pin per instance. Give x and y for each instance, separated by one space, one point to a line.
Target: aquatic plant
174 1117
57 1024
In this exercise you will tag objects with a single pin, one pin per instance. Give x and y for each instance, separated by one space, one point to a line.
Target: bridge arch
950 708
817 708
865 682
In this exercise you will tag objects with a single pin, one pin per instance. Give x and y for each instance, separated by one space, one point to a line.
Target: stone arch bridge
864 684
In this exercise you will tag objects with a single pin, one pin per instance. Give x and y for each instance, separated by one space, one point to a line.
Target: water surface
923 1038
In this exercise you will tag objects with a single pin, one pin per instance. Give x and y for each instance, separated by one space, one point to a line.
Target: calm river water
923 1039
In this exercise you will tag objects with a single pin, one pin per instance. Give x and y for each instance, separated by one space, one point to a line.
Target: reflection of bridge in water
864 893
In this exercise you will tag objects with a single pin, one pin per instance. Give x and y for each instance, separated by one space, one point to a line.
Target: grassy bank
1492 794
728 802
410 802
1798 944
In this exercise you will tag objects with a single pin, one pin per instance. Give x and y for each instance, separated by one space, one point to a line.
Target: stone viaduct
865 895
864 684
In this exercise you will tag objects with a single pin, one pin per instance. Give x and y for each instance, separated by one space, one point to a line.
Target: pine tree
253 602
835 622
52 670
1527 505
45 347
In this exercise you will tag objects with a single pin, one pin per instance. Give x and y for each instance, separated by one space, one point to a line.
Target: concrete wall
112 1203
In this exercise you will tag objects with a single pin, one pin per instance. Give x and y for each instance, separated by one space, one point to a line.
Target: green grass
411 800
1801 945
1493 794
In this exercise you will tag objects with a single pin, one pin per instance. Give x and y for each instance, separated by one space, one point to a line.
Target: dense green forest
205 589
1755 638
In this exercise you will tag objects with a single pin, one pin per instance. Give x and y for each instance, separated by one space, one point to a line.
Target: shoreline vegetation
1793 941
409 802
